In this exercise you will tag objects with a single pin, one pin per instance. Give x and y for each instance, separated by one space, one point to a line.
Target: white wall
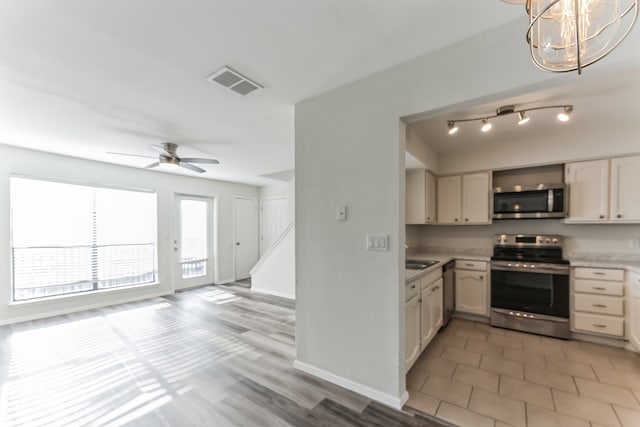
350 151
418 148
43 165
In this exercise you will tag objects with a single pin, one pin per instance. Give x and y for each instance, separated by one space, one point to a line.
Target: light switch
377 243
341 213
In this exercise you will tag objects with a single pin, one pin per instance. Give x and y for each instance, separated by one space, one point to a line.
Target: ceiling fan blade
152 165
192 167
132 155
197 160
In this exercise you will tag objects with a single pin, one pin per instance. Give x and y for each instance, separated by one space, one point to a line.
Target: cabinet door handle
600 305
456 219
619 216
599 288
413 287
599 325
601 216
436 288
466 219
598 273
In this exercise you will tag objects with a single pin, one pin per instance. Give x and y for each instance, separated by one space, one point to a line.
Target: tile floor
475 375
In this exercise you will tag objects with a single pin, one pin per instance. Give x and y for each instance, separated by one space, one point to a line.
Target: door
435 302
634 330
588 191
625 176
449 199
274 218
246 236
475 198
471 293
193 241
415 196
426 325
412 331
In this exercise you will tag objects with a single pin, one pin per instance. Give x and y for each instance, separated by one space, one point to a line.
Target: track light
506 110
452 128
564 116
522 119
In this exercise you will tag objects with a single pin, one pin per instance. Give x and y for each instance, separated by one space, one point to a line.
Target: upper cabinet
464 199
625 176
588 191
420 197
594 197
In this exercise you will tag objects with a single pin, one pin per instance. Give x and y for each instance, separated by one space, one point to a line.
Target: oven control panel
528 240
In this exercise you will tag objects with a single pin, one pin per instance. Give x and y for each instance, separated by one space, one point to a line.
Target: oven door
539 288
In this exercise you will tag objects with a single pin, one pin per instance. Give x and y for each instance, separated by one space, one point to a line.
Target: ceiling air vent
233 80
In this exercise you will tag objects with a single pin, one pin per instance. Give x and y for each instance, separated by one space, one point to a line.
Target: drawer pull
599 325
469 264
436 288
599 288
600 305
413 287
598 273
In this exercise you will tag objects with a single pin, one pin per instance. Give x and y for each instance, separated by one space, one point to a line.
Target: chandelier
505 110
568 35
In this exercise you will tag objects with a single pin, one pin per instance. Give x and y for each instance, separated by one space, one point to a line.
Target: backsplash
592 241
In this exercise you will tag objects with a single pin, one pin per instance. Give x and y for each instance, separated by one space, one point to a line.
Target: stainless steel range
530 284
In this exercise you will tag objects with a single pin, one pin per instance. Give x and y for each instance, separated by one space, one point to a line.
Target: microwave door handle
550 200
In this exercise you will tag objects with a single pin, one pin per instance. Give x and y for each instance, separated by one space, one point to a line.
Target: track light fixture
453 128
506 110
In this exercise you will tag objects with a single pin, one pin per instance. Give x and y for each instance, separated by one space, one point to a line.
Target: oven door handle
560 270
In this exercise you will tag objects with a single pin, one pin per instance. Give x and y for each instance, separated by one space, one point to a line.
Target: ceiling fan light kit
506 110
569 35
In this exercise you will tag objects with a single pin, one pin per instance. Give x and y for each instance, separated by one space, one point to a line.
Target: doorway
193 241
246 236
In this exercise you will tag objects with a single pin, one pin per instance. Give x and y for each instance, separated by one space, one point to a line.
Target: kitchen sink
412 264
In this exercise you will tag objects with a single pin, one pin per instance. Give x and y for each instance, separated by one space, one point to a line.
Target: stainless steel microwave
529 201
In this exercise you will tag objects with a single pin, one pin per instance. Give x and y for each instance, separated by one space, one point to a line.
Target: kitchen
541 249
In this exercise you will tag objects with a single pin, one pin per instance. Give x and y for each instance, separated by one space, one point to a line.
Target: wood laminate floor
213 356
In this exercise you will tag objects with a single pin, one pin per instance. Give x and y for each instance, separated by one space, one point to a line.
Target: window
69 238
193 232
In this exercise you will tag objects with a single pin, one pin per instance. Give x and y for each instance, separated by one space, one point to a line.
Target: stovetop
528 248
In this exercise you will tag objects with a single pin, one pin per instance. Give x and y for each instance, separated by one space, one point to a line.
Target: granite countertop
629 262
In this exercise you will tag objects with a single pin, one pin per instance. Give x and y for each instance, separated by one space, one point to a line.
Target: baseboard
273 293
378 396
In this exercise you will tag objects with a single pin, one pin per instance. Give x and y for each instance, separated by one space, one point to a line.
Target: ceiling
605 100
83 78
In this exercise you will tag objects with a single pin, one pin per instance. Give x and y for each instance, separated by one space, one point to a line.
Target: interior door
274 217
193 241
246 235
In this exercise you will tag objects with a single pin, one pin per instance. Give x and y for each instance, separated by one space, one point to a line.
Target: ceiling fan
167 155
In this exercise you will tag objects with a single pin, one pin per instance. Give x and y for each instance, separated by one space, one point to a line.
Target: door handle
237 243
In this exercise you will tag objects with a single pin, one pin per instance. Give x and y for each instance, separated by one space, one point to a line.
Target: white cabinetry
463 199
625 176
593 197
420 197
423 314
598 301
471 287
412 322
634 303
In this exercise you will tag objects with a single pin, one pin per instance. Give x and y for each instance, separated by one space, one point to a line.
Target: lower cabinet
423 314
471 287
412 330
598 301
634 295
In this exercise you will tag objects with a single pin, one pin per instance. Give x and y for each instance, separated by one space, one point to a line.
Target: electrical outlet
377 243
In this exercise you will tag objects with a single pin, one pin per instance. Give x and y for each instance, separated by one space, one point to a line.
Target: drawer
411 289
607 325
599 273
598 287
430 278
599 304
463 264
